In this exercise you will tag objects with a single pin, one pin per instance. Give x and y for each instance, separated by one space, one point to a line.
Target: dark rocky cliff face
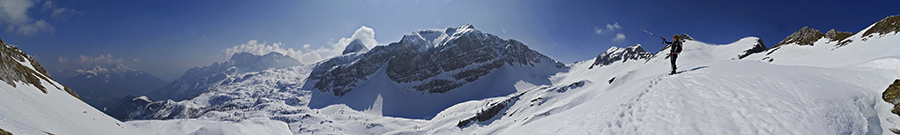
434 61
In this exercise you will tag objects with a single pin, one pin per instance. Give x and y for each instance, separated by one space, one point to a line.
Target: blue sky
167 37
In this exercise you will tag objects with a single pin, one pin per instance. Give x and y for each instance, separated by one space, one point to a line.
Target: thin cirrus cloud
14 14
306 54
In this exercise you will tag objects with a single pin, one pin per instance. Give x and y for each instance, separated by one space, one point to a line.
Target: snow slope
258 126
817 89
712 94
45 106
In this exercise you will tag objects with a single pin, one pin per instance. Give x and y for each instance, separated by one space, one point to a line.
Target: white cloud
136 60
58 12
263 48
36 27
609 28
86 62
14 14
613 26
307 54
619 37
364 34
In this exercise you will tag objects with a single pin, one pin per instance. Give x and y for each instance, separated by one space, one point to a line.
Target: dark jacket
675 46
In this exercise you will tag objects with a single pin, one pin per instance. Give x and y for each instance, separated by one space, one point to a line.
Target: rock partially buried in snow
892 95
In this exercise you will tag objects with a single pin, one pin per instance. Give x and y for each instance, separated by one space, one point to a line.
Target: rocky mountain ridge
20 67
198 79
615 54
430 61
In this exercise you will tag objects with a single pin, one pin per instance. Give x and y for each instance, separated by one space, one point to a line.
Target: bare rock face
615 54
433 61
15 68
835 35
804 36
759 47
884 26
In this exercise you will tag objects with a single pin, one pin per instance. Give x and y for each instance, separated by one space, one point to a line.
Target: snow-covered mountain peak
355 46
433 38
685 36
198 79
635 48
614 54
143 98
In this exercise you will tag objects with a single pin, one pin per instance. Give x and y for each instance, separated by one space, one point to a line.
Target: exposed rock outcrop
804 36
20 67
887 25
615 54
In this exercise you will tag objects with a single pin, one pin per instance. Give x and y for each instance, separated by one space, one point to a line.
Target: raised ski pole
651 33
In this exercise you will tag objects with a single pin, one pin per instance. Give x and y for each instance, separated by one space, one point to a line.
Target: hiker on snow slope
674 50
